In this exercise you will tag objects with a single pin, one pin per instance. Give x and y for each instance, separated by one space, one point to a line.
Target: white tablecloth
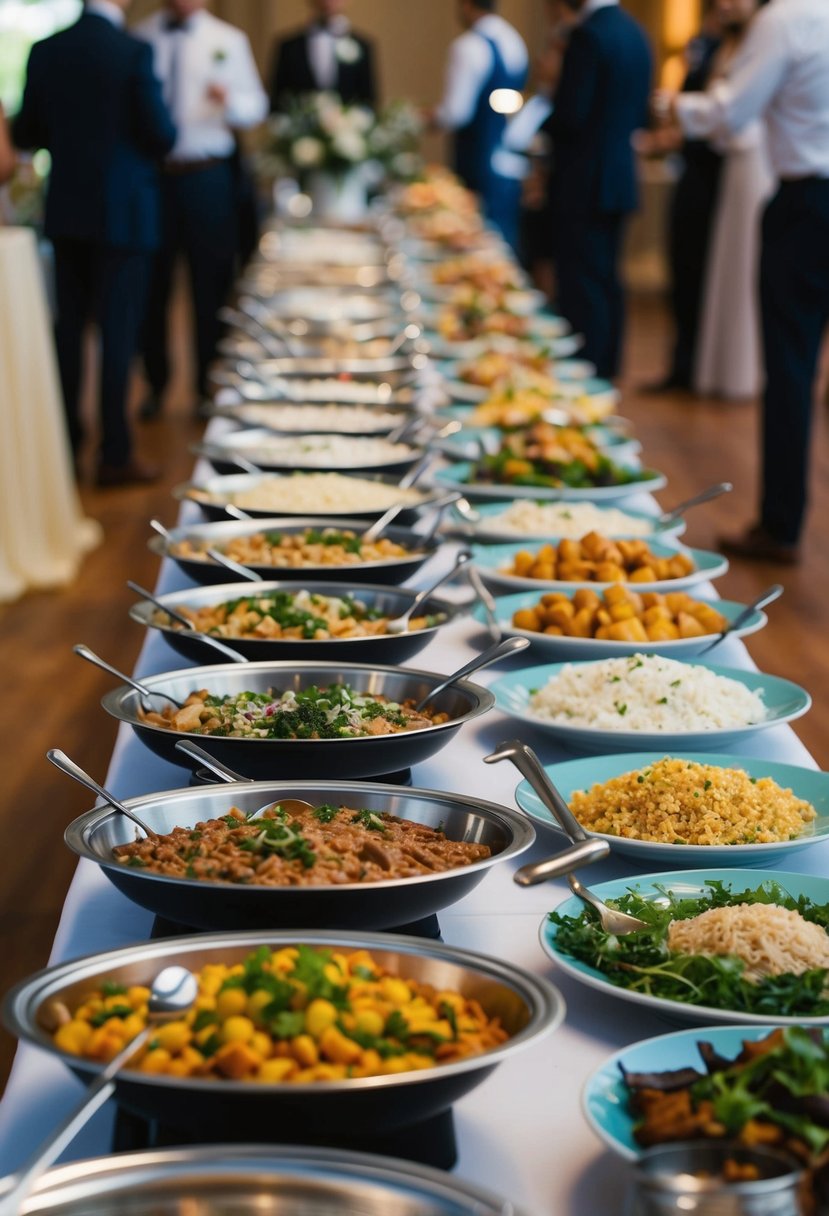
43 534
521 1133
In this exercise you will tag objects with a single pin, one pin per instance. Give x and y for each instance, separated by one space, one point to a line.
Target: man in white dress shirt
781 74
489 55
212 87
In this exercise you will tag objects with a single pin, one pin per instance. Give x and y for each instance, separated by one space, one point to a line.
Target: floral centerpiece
337 151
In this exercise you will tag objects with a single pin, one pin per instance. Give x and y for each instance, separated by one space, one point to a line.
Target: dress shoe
132 473
150 408
757 544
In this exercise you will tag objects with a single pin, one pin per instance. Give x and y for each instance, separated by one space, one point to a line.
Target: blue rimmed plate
784 702
571 649
687 884
604 1096
812 785
648 482
488 529
491 561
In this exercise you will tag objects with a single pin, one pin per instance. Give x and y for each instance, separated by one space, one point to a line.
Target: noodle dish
718 945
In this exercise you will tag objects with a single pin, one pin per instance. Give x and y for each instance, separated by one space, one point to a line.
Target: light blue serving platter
686 884
456 476
604 1096
812 785
492 559
487 528
466 444
784 702
561 648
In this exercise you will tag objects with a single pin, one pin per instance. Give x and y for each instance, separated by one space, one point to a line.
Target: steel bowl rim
517 823
140 611
482 700
177 1161
215 451
188 491
160 546
545 1003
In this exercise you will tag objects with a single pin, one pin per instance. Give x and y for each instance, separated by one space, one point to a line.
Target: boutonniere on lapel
348 49
219 56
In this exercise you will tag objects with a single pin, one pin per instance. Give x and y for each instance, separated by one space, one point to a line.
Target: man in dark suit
602 98
92 100
326 56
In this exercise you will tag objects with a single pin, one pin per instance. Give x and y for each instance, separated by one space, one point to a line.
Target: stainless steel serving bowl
527 1005
395 370
220 905
290 758
222 452
381 648
394 412
389 571
214 493
255 1180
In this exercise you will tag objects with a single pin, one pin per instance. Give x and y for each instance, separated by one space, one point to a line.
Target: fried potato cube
554 630
681 564
643 574
622 612
560 614
527 618
678 601
616 595
522 563
630 630
570 551
545 571
662 631
555 597
593 545
610 572
585 598
603 616
659 612
575 572
689 626
707 615
582 624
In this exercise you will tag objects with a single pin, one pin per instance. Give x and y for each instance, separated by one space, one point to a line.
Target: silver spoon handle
499 651
247 465
417 472
489 606
230 564
158 527
227 652
194 752
722 487
377 527
62 761
237 512
529 765
583 853
422 596
91 657
96 1094
428 537
768 597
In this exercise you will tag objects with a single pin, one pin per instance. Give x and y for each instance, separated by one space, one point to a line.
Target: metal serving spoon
584 850
194 752
85 653
371 533
500 651
768 597
172 993
617 923
213 554
62 761
669 517
225 651
487 602
400 624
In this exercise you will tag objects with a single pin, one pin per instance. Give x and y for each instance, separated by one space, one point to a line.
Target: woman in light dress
729 354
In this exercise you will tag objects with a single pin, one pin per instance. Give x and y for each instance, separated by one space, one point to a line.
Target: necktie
173 91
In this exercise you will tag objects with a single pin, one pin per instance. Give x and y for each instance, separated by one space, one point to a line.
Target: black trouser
794 299
199 219
691 218
108 286
587 283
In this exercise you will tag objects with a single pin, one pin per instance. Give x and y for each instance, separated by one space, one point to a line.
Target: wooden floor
52 697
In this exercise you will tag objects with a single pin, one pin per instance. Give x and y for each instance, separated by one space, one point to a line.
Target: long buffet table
521 1133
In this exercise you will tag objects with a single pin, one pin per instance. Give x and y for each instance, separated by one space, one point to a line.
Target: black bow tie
176 25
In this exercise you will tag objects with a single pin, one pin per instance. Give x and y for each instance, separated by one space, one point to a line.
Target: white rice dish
320 494
342 419
646 693
323 451
569 521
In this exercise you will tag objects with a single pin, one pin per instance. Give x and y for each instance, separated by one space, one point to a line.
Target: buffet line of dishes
446 391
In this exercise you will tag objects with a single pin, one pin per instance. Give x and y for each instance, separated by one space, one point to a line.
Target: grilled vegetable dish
552 456
318 846
334 712
292 550
296 1015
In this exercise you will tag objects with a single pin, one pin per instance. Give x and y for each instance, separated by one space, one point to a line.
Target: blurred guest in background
691 215
91 98
327 56
212 86
781 74
7 156
728 358
488 56
601 100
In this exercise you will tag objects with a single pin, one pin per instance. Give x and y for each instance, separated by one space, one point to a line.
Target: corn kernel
237 1030
231 1002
